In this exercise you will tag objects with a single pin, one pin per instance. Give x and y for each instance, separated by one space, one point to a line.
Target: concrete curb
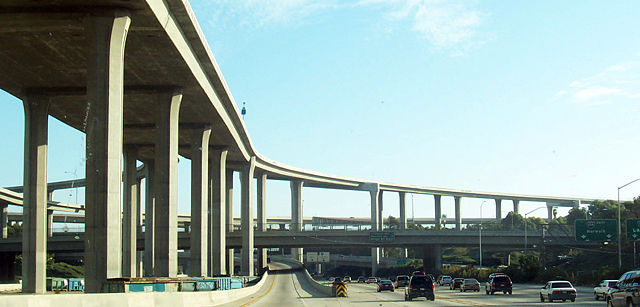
156 299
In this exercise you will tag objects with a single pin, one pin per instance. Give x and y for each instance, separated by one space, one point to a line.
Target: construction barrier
339 289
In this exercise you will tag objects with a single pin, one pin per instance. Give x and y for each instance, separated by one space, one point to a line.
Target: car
420 286
347 279
558 290
626 292
362 279
331 279
372 280
499 283
385 284
601 290
496 274
418 273
431 276
470 284
444 280
456 283
402 281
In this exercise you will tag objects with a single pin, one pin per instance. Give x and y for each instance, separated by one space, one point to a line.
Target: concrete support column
498 210
374 191
261 190
458 215
246 212
431 259
4 220
166 184
516 206
34 225
129 215
296 215
229 221
149 225
106 35
49 223
138 235
549 211
403 217
438 209
380 211
199 202
218 210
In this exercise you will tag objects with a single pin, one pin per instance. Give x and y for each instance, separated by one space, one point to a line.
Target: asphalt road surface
290 288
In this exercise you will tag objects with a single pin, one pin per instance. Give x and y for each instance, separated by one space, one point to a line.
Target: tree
576 214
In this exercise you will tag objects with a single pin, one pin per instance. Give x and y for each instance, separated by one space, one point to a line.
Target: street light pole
620 226
525 227
480 232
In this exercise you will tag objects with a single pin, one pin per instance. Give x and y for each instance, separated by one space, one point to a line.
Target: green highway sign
596 230
633 229
382 236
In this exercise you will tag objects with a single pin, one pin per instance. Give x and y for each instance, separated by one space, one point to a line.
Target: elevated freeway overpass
139 79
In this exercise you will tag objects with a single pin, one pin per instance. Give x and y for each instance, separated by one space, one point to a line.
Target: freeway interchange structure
139 79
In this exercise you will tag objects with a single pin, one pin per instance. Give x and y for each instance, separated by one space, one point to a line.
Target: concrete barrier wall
152 299
326 290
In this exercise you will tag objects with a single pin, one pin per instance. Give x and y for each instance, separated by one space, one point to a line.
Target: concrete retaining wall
153 299
326 290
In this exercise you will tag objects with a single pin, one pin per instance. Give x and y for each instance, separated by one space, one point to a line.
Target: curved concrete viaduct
139 78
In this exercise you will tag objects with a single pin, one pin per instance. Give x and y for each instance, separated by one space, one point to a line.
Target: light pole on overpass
480 231
525 226
620 227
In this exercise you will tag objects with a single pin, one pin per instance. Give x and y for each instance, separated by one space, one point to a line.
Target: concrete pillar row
106 36
4 220
130 211
458 215
437 199
296 215
498 210
199 202
218 211
229 220
261 191
149 225
34 225
166 184
246 212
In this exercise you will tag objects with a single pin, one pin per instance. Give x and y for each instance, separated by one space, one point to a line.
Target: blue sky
509 96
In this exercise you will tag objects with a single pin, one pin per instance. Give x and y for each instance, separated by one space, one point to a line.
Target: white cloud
448 26
615 83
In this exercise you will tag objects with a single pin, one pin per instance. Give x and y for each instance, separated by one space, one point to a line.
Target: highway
290 288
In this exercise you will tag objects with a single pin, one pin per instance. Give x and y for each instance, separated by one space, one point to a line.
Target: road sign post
596 230
324 257
633 229
312 257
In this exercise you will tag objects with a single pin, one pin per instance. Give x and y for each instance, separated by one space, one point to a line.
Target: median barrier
324 289
139 299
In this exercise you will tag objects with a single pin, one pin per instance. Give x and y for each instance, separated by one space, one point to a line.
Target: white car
558 290
600 291
372 280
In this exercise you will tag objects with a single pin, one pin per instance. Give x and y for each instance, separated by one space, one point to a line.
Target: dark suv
626 292
402 281
419 286
499 283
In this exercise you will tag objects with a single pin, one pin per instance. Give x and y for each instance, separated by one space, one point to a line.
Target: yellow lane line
261 296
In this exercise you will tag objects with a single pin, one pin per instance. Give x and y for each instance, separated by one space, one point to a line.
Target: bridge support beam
199 202
403 216
106 35
49 223
34 225
549 211
218 210
498 210
229 220
130 213
516 206
374 191
246 258
166 184
261 190
431 259
458 214
437 199
4 220
296 215
149 225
